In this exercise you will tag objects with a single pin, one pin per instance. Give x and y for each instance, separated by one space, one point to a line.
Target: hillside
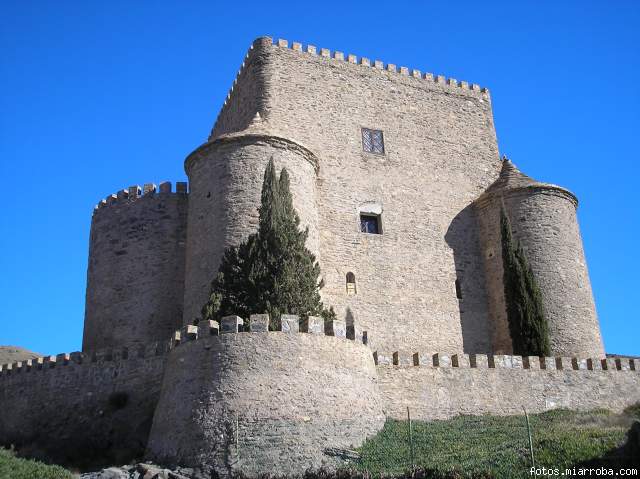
11 354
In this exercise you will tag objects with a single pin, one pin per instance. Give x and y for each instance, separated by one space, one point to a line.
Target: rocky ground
145 471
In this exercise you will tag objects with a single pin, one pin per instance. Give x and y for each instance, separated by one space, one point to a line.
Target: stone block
461 361
283 43
290 323
181 187
441 360
517 362
259 323
352 58
62 358
404 71
135 191
148 188
378 64
231 324
337 329
165 187
50 361
324 52
313 325
358 334
312 49
382 359
531 362
479 361
189 332
208 328
502 361
338 55
365 61
622 364
297 46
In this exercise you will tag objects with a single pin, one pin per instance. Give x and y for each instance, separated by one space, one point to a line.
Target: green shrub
12 467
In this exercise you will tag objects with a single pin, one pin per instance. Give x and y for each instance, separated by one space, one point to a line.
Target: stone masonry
420 303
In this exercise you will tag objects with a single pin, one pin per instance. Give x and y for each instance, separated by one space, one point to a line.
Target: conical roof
511 178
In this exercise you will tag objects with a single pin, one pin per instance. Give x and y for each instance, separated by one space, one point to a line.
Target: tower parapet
136 266
264 401
543 218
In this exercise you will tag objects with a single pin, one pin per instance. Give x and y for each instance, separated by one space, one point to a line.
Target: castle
396 174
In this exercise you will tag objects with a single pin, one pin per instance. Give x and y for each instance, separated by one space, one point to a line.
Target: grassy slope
12 467
474 444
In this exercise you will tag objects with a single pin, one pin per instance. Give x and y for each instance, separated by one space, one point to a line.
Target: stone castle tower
408 157
397 175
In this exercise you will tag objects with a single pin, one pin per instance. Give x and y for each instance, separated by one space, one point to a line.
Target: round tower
543 218
264 401
225 178
136 267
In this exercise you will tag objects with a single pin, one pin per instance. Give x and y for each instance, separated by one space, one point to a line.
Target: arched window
351 283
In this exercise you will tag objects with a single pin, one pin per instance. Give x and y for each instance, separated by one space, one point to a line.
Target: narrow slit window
372 141
458 289
370 224
351 284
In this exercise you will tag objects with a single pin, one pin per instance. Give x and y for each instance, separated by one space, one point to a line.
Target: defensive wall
240 398
82 409
262 401
135 274
440 386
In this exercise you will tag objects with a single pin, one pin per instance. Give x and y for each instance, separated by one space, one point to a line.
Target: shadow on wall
349 320
470 284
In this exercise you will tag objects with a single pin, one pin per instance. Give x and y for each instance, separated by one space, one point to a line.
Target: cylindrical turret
543 218
135 274
225 178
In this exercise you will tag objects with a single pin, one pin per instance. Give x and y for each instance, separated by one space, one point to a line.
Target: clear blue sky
96 96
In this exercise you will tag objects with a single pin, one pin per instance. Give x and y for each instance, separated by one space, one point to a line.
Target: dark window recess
372 141
351 283
370 224
458 290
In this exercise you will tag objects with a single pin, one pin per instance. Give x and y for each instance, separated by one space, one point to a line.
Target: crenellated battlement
221 125
499 361
377 65
259 323
45 363
135 192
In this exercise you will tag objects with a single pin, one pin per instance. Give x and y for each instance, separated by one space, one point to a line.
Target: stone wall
502 385
264 401
440 154
82 409
135 275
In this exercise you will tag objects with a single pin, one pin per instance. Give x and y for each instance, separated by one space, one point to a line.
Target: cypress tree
527 323
272 271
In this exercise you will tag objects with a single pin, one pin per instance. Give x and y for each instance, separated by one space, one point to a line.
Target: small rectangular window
372 141
370 224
